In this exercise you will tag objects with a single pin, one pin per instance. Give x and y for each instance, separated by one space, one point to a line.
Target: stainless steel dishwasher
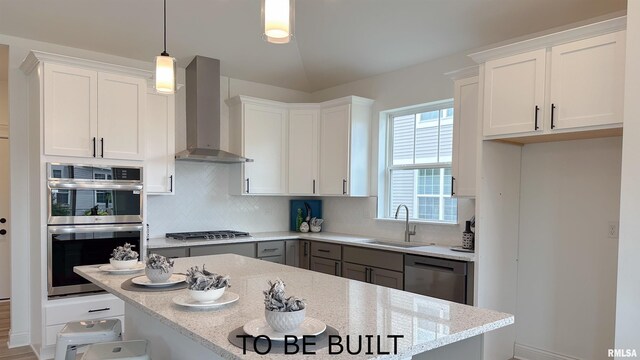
438 278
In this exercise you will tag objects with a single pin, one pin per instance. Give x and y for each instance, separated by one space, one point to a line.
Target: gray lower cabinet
384 268
171 253
327 266
304 254
355 271
273 251
244 249
373 275
292 253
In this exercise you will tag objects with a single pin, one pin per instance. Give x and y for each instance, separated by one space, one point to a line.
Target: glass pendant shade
278 20
165 74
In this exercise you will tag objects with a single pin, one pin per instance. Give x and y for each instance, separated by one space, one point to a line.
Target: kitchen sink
396 244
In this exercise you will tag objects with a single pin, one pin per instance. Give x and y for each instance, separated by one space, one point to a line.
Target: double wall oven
91 210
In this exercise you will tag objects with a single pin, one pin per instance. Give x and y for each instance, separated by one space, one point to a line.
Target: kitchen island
430 328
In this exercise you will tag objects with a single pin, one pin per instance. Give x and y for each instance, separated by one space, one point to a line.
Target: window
419 163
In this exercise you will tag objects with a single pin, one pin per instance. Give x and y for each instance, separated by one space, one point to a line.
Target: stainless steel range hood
203 114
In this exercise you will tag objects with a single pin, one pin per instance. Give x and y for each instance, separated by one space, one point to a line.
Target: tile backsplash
202 202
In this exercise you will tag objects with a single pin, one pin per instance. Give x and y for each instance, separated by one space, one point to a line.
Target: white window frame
389 167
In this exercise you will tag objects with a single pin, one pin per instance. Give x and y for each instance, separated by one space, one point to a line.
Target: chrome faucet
407 232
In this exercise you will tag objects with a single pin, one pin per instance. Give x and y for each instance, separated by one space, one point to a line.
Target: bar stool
80 333
118 350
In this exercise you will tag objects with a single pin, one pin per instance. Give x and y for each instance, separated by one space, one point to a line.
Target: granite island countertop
440 251
352 307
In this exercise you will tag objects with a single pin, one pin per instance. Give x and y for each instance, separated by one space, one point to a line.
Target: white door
121 116
160 144
335 124
514 94
303 152
465 137
70 111
5 250
265 141
587 82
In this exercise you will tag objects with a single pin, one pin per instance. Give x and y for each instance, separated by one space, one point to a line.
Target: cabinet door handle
536 117
99 310
337 265
324 250
247 185
344 186
102 147
553 108
371 276
453 181
306 251
94 146
366 274
171 183
269 249
314 186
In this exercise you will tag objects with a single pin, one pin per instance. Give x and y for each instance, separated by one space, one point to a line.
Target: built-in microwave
82 194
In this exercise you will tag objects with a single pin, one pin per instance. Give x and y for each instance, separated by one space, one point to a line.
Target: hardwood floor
21 353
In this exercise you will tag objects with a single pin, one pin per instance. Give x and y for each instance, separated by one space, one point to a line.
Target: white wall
4 102
414 85
567 264
628 294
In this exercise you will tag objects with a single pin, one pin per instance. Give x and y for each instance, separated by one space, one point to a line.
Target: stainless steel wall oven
91 210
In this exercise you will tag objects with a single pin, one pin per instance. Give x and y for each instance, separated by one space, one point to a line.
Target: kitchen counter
352 307
439 251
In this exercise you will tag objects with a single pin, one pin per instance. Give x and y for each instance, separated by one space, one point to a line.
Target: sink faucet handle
413 232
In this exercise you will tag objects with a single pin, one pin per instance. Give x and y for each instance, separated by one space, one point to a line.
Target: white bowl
123 264
284 321
157 275
208 295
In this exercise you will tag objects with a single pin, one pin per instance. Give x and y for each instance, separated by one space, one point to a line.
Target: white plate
110 269
309 327
185 300
144 281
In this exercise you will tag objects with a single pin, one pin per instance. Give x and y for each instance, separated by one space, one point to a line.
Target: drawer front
83 308
372 257
244 249
51 332
326 250
171 253
270 248
387 278
278 259
326 266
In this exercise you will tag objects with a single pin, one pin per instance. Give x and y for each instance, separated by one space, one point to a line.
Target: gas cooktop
208 235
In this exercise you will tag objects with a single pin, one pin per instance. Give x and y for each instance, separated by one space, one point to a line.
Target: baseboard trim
18 339
524 352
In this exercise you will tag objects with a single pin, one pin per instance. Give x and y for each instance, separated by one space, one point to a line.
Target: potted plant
282 313
123 257
205 286
159 268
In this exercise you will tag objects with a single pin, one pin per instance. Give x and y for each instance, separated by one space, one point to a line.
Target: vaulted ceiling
336 41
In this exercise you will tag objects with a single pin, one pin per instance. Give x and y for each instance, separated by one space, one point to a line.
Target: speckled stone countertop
444 252
352 307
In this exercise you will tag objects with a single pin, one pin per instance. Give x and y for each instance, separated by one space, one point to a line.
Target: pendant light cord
165 29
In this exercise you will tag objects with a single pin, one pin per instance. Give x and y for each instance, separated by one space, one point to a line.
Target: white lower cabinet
160 144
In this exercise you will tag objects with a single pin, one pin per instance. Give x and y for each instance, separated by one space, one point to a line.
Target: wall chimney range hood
203 114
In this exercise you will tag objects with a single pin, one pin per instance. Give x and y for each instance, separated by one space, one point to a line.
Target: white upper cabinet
93 114
303 151
514 93
345 146
465 137
70 111
160 143
261 129
121 116
587 78
335 128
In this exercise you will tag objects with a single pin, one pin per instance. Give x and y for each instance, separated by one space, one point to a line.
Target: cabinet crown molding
463 73
36 57
545 41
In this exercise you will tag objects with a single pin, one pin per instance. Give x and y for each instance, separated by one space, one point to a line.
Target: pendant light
165 65
278 19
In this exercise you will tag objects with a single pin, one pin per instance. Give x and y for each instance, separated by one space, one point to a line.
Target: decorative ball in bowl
123 264
284 321
282 313
158 268
205 286
123 257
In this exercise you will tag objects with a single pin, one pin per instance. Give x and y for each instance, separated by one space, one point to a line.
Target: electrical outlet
612 230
